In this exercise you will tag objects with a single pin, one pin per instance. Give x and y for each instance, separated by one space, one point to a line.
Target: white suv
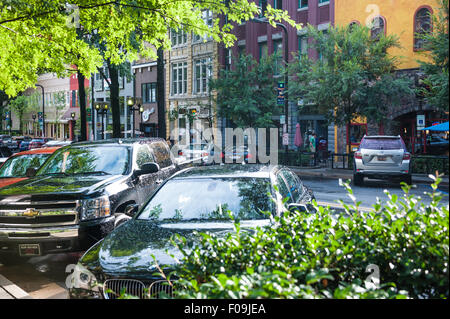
382 157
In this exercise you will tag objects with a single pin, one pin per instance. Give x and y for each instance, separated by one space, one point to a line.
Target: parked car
17 142
195 152
4 140
24 145
382 157
36 143
195 199
76 195
15 168
5 152
238 154
56 143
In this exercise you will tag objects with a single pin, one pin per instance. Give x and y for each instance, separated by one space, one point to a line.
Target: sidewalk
346 174
10 291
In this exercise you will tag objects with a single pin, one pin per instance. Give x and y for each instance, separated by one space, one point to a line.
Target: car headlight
95 207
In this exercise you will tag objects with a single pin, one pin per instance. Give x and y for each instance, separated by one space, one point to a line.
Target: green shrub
325 255
429 165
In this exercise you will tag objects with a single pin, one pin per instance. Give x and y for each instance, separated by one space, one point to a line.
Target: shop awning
438 128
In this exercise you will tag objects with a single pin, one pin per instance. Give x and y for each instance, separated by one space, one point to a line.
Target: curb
417 179
8 290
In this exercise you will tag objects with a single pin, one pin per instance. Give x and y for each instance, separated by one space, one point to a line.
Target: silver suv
382 157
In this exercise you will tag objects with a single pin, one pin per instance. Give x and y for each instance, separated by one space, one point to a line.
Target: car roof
44 150
120 141
382 136
228 171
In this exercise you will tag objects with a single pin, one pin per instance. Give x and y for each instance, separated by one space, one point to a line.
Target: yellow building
396 17
403 18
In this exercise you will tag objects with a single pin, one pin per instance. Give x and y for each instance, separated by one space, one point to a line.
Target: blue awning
440 127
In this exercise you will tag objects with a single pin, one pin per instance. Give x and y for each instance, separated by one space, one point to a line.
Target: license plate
382 158
29 250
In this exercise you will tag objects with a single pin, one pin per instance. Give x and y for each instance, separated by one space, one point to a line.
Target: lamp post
286 79
33 116
43 109
102 109
134 104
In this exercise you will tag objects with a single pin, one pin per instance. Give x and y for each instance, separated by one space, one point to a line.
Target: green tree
45 34
436 68
354 75
246 94
20 106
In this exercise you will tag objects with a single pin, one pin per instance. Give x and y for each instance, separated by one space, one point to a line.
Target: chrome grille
113 288
45 213
159 289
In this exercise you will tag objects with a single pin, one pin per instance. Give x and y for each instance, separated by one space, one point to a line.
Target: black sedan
196 199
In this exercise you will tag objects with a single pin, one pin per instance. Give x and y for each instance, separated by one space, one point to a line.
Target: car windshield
210 199
17 166
382 144
112 160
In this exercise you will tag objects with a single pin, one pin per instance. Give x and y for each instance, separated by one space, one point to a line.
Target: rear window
382 144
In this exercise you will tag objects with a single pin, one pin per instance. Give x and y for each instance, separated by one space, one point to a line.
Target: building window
241 50
302 46
352 25
207 17
263 7
228 58
98 82
202 74
149 92
422 26
323 1
262 49
278 4
179 78
74 98
377 28
303 4
178 37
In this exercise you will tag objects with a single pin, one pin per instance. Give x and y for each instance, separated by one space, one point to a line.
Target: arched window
352 25
378 27
422 26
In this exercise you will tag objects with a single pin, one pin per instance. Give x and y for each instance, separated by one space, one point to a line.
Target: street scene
279 149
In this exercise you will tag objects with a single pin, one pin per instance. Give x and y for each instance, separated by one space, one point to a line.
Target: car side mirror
30 172
147 168
131 209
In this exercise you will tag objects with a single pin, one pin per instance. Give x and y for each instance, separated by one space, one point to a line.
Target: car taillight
406 156
358 155
180 153
222 155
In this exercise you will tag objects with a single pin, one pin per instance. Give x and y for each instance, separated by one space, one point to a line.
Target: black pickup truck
79 195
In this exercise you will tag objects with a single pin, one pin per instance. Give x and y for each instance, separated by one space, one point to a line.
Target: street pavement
44 277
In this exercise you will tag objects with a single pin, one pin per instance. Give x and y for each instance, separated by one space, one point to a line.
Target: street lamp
135 104
102 109
43 109
286 57
33 116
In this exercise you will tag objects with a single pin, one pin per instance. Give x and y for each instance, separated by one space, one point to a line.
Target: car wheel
407 180
358 179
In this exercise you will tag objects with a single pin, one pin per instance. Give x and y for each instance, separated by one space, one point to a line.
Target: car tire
407 180
358 179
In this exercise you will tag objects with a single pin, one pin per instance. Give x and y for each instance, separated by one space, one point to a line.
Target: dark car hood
60 185
129 250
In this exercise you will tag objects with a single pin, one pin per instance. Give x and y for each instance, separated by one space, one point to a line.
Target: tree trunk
82 99
161 94
114 97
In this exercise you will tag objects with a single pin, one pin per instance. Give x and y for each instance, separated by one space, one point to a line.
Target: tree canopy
436 46
354 75
246 94
44 34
